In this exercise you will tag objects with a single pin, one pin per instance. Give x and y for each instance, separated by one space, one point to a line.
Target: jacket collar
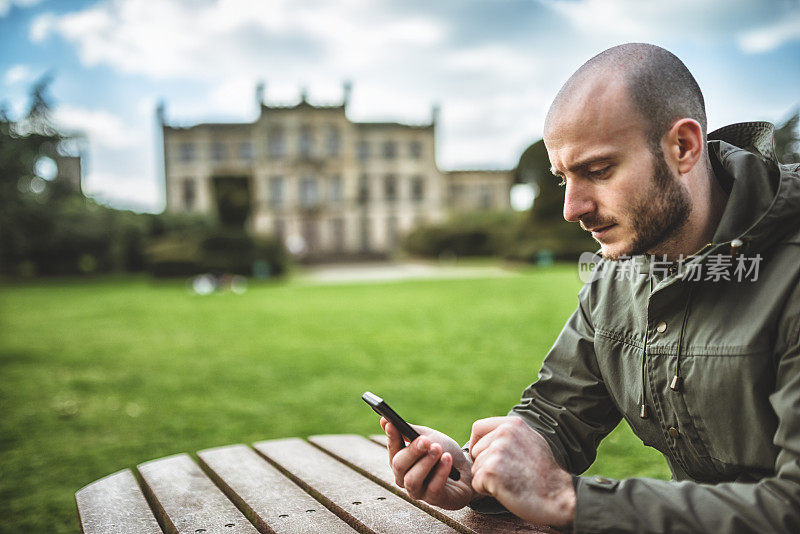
764 201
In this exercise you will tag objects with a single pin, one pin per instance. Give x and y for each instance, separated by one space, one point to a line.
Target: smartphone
383 409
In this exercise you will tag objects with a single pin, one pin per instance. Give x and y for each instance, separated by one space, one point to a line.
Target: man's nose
578 201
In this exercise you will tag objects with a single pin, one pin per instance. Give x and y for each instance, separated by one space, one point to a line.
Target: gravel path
383 272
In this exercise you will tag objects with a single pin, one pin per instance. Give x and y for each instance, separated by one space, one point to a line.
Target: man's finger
476 449
481 427
417 477
406 457
479 482
394 440
439 478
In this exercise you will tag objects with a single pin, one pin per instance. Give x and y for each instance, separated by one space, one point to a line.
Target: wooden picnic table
333 483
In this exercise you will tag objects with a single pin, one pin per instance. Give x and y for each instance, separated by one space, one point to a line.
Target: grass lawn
103 374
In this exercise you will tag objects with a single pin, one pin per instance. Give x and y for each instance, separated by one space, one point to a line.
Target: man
702 362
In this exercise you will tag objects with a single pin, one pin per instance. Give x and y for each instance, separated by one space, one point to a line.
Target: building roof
303 104
389 124
213 126
482 171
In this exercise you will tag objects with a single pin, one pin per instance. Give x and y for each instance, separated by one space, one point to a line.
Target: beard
661 216
657 215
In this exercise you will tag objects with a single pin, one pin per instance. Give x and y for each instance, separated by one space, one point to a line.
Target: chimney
347 89
436 110
161 113
260 88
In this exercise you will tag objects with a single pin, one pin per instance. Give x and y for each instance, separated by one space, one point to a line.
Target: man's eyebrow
581 164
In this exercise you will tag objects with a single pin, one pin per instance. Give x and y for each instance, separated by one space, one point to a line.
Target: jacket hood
763 204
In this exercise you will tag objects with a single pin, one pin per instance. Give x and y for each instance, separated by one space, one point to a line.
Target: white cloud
494 86
5 5
234 97
626 19
494 57
180 39
755 27
19 74
127 191
772 36
103 129
41 27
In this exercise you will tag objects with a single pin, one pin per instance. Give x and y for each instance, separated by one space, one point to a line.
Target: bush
561 242
479 234
191 252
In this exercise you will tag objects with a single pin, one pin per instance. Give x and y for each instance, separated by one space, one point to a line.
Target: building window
337 229
415 149
335 189
485 196
276 191
309 196
188 193
390 187
391 231
363 151
364 234
417 188
279 230
363 189
217 151
306 142
309 230
276 143
389 150
334 141
456 192
246 151
187 151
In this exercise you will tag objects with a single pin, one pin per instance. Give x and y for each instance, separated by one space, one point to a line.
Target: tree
46 226
787 140
544 230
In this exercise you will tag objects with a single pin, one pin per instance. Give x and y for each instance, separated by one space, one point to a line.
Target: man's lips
600 230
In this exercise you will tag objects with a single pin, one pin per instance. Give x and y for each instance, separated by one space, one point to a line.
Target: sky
492 65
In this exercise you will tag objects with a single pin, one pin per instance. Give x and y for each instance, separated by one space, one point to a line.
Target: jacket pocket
727 400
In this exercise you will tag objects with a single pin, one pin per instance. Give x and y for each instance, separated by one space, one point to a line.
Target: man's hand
514 464
416 470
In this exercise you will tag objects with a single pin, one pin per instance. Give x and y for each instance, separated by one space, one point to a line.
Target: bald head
657 85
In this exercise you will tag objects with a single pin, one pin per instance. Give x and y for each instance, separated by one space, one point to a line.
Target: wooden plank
367 506
371 459
270 500
186 501
115 504
380 439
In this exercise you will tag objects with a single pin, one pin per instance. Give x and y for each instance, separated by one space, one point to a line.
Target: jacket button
661 327
673 432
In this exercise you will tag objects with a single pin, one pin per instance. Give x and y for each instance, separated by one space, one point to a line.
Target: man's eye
598 173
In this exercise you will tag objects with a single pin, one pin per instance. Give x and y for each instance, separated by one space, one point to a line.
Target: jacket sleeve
769 505
570 407
569 404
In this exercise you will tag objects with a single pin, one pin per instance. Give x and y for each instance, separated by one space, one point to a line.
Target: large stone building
325 185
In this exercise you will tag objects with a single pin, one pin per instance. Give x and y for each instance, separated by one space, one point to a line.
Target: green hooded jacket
712 352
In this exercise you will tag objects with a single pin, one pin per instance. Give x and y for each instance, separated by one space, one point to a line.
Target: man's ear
684 144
